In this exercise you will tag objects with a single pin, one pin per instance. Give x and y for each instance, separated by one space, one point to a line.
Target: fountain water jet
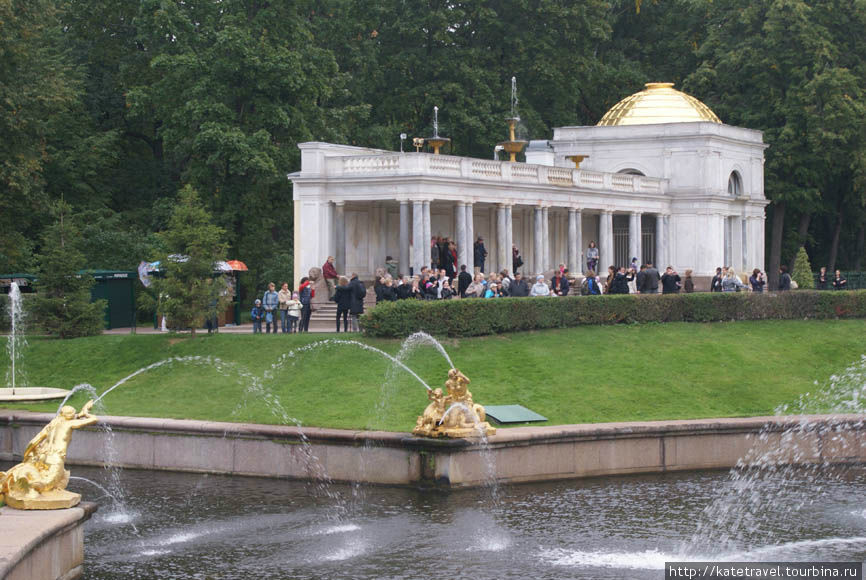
14 344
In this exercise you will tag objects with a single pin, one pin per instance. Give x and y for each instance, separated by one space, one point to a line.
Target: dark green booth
117 287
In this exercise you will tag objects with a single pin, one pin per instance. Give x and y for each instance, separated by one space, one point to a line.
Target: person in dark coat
670 281
464 279
343 298
480 253
784 279
518 287
559 284
356 306
619 285
651 280
716 282
821 282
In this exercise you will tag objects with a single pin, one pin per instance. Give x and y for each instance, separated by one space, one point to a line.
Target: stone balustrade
401 164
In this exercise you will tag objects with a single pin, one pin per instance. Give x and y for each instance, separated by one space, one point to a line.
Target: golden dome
658 103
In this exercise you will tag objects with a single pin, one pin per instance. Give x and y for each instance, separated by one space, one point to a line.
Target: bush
476 317
802 273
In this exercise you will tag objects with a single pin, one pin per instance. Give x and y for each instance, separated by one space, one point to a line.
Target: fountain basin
25 394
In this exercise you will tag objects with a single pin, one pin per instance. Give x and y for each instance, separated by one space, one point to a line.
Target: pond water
183 526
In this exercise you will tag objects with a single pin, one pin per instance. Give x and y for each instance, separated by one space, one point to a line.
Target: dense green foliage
62 304
587 374
476 317
802 273
187 292
116 106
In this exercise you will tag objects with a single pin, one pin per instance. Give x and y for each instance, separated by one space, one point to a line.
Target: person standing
516 259
464 279
305 295
592 256
391 266
670 281
757 280
839 283
270 302
731 282
343 298
688 283
821 282
590 285
651 279
294 314
451 260
480 254
256 315
284 296
716 282
329 273
784 279
434 253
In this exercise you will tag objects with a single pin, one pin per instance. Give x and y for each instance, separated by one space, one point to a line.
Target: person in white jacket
540 288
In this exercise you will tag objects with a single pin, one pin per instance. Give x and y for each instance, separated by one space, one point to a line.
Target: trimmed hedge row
476 317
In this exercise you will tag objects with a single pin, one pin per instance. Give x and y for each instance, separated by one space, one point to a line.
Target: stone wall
520 454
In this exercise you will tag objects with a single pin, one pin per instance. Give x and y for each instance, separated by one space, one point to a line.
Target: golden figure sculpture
39 481
454 415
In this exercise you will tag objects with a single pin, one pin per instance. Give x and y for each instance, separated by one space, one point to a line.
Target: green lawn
587 374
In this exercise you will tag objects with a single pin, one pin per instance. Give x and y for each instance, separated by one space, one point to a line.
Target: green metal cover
512 414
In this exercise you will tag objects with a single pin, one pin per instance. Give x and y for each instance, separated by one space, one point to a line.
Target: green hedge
476 317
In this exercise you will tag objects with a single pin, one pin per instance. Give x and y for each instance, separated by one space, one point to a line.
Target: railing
449 165
486 168
560 176
371 163
524 171
445 163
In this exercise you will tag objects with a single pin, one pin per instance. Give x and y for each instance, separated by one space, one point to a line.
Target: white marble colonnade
541 253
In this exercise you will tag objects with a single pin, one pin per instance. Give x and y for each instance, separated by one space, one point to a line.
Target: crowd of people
443 281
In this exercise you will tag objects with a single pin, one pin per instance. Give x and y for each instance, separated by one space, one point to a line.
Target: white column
634 237
538 242
509 240
470 238
501 238
460 234
340 236
573 248
581 264
417 236
605 242
427 253
404 238
661 243
546 224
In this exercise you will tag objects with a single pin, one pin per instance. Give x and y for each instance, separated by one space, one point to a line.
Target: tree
62 303
802 273
36 84
188 291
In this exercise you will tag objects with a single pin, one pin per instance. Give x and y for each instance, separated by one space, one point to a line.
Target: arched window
630 171
735 184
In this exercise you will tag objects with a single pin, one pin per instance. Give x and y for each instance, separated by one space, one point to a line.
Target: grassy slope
589 374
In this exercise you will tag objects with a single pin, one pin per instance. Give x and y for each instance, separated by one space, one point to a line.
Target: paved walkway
315 326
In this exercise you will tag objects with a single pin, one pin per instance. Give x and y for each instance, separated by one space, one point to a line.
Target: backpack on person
584 287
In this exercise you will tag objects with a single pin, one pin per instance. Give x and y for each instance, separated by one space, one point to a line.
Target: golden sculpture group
453 414
39 481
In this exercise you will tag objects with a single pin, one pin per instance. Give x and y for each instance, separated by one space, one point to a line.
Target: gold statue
39 481
454 415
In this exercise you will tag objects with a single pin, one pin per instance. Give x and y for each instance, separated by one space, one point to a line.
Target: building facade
663 180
